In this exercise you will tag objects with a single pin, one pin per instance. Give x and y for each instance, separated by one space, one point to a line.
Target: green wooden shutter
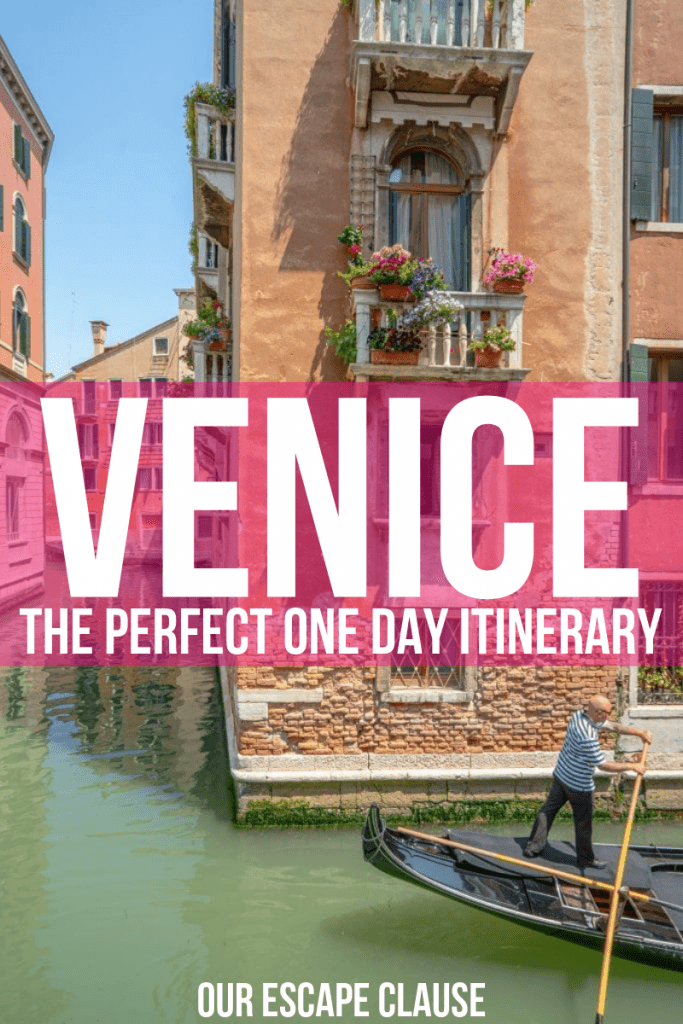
639 373
26 162
18 145
642 112
638 364
18 230
25 335
27 243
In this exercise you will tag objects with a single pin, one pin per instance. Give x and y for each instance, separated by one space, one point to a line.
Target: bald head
599 708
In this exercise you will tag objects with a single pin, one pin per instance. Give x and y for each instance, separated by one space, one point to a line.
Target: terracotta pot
363 282
395 292
222 343
509 285
488 356
388 355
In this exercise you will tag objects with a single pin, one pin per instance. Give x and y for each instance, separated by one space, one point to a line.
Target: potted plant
398 342
426 278
343 341
488 350
510 271
210 326
356 274
432 308
392 268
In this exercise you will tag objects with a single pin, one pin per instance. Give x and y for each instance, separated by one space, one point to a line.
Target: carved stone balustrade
470 47
444 354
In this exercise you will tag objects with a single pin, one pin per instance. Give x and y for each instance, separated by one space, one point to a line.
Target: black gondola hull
515 894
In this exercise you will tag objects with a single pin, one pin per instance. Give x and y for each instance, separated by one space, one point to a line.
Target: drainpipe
626 300
626 194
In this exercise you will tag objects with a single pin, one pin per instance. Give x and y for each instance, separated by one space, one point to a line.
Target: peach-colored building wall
564 186
294 109
13 273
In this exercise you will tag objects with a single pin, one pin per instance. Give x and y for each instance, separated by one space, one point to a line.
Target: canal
124 885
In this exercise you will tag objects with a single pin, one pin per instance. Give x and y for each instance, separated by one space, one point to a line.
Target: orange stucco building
25 143
451 128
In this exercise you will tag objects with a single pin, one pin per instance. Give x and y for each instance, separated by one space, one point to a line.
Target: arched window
429 213
16 431
22 232
21 325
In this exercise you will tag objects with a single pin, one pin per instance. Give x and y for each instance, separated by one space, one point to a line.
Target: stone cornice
25 100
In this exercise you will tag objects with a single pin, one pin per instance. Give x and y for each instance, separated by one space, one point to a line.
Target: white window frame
14 509
661 94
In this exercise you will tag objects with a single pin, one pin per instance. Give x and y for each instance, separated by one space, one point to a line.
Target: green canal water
124 885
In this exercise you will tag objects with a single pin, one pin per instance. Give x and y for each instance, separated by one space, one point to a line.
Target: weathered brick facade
512 710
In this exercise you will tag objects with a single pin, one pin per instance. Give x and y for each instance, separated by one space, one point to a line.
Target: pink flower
507 265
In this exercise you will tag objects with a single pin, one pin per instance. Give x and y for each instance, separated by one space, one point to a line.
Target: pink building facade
25 143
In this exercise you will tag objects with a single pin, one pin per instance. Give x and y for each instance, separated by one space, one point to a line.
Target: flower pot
488 356
395 292
363 282
221 344
389 355
509 285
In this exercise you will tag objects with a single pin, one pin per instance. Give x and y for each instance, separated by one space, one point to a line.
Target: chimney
99 335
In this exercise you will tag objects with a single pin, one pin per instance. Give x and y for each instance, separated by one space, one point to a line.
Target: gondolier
573 780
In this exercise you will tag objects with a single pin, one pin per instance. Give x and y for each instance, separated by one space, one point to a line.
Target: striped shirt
581 753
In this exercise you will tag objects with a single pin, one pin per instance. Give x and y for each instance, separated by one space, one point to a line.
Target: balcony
447 47
214 167
209 256
444 355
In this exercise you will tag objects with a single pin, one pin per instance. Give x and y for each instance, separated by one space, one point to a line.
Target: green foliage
497 338
298 814
394 339
295 814
193 246
208 324
661 679
343 341
351 235
357 268
204 92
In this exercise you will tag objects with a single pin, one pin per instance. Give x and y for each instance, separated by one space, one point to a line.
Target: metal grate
660 677
446 669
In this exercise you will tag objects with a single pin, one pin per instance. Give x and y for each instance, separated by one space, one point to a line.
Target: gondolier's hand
635 766
646 736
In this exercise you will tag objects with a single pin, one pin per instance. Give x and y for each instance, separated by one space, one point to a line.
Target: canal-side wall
342 740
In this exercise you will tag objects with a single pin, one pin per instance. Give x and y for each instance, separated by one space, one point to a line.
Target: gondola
562 902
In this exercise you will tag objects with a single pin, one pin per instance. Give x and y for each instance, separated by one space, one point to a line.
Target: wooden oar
614 902
531 865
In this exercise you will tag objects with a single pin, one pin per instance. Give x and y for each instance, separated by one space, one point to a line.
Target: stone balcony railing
214 160
440 46
497 24
444 354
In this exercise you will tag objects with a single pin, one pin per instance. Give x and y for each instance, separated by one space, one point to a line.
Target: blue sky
110 78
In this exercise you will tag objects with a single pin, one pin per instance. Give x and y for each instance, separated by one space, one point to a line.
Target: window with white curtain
429 213
667 166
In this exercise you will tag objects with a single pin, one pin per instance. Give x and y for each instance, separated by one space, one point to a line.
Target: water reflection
123 885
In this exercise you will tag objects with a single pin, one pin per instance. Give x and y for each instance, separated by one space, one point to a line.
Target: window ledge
656 711
659 489
425 695
658 227
21 261
19 543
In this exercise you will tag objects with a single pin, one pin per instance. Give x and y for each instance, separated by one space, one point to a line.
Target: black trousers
582 808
